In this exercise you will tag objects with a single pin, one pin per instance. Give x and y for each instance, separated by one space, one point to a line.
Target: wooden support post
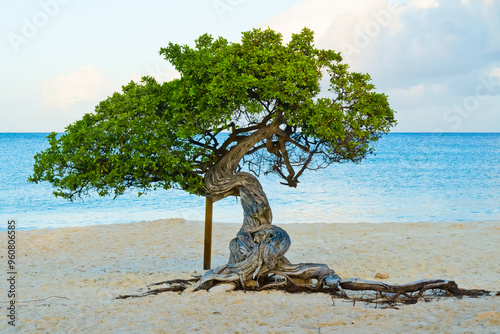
208 234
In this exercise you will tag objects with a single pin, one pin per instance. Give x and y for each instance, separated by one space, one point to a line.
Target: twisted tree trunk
258 251
257 254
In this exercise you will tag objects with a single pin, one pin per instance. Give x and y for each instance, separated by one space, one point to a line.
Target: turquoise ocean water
413 177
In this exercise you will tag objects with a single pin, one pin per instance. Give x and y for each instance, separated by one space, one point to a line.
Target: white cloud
486 3
314 14
87 83
413 92
401 43
322 15
346 26
423 4
495 72
428 55
422 95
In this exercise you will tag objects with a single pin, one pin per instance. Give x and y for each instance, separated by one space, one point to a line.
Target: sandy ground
68 279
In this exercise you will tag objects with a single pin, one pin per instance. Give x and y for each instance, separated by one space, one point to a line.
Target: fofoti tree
287 108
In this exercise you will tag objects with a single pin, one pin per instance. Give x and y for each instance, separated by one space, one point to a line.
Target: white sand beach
68 279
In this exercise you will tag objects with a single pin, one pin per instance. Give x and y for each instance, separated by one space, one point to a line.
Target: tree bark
257 254
258 251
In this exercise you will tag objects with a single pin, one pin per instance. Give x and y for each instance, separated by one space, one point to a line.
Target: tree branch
233 137
202 145
284 153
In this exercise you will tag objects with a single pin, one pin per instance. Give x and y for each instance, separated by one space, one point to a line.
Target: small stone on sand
381 276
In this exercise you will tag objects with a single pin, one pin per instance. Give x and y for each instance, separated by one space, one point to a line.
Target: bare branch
202 145
256 148
291 172
233 137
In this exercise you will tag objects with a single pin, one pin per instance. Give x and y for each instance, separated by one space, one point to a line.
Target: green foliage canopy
165 135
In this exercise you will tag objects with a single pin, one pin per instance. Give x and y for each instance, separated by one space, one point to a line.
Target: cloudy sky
438 60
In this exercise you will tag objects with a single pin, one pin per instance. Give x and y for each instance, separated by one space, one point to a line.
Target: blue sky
439 61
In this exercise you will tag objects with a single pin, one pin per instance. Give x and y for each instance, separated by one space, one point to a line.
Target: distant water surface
413 177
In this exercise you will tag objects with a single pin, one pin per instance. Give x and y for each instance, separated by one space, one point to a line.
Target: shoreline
51 228
69 277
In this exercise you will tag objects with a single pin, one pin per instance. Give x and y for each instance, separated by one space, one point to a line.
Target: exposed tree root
176 285
361 291
392 300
